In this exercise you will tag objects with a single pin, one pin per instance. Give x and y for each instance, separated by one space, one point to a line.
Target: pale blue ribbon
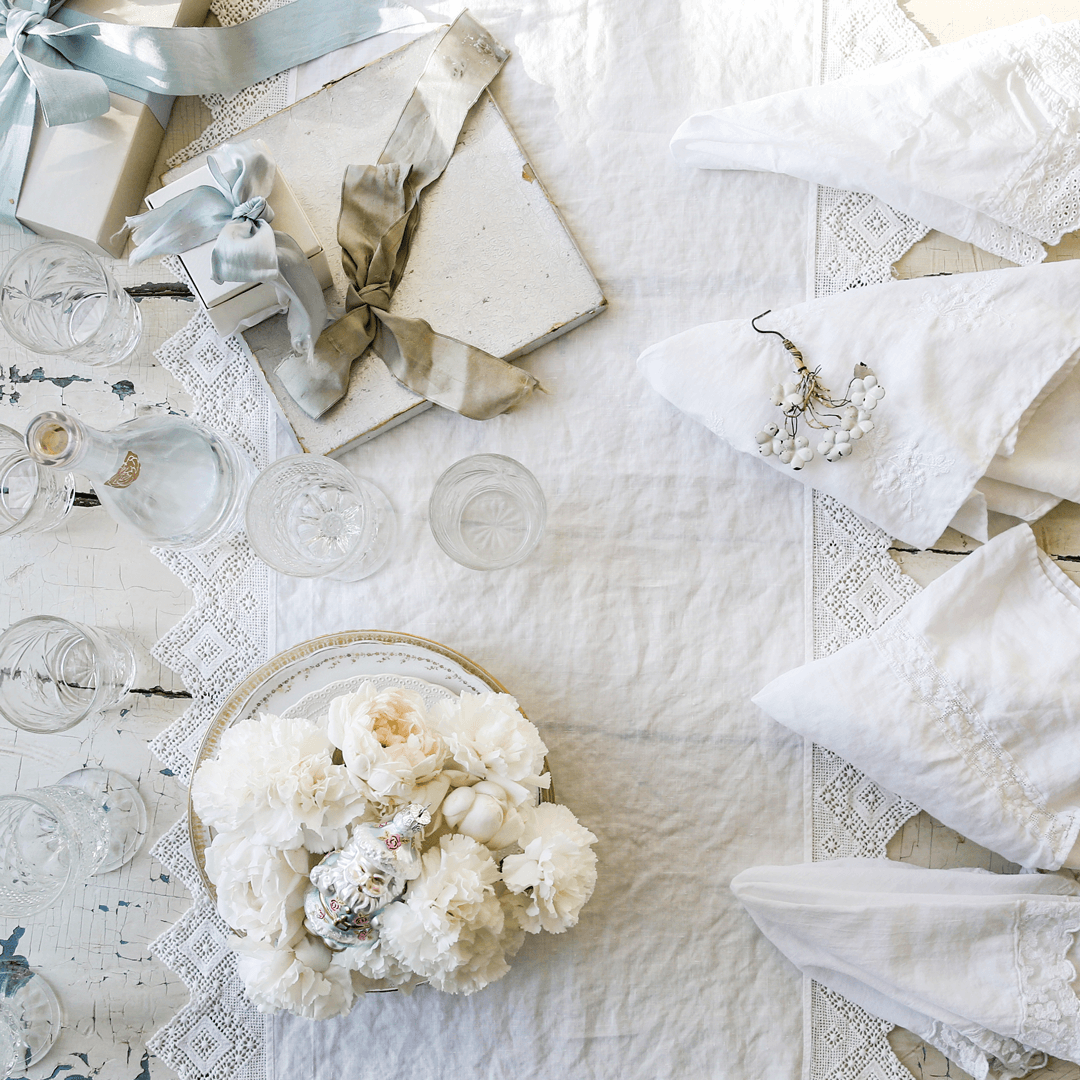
236 216
69 62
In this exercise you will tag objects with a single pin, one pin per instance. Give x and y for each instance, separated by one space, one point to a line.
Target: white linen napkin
962 359
974 963
975 138
967 702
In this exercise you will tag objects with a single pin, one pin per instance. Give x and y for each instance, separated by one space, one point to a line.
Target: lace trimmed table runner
852 582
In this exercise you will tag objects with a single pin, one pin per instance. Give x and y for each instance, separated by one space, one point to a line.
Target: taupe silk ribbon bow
378 215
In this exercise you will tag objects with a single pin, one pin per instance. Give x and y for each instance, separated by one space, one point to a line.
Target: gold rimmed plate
306 670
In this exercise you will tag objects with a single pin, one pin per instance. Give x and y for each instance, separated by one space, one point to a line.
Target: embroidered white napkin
974 963
975 138
967 702
962 360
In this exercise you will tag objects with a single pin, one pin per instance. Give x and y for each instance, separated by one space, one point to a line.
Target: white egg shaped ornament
483 811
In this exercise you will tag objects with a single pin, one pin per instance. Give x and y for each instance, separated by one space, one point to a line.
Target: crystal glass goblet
53 838
29 1017
309 516
32 499
57 299
487 512
55 673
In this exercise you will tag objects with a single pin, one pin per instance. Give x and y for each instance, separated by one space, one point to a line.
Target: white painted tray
491 261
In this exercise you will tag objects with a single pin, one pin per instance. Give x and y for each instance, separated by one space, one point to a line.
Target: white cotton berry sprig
842 422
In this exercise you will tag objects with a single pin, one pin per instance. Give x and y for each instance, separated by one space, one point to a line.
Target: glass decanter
168 478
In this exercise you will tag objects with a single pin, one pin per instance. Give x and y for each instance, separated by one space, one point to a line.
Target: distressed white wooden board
491 261
94 950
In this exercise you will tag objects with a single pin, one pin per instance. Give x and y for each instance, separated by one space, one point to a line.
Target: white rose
556 870
386 741
260 890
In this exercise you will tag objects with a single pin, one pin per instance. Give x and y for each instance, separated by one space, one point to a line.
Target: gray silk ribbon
68 62
236 216
379 205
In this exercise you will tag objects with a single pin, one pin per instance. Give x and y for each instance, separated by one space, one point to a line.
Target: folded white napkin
962 360
974 963
976 138
967 702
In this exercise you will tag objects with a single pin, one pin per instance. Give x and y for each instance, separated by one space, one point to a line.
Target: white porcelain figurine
349 887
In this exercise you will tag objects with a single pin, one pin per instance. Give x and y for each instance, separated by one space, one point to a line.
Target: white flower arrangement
493 865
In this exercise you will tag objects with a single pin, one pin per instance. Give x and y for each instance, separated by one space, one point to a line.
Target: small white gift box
82 180
236 305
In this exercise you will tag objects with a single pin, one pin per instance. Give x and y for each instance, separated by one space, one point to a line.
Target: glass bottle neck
60 441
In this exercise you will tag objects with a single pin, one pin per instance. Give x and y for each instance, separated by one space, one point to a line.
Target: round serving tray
302 673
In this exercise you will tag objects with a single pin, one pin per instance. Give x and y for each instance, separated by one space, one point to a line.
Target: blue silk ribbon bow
234 214
69 62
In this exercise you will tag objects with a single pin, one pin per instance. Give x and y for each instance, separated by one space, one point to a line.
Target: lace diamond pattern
855 585
219 1034
858 237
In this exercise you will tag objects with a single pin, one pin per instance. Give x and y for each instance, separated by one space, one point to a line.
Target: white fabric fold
1018 502
974 138
974 963
967 702
961 359
1046 455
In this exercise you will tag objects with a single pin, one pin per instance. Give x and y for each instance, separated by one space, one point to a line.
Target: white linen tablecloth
666 590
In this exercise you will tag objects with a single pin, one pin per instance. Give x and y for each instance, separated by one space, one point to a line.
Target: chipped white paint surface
94 948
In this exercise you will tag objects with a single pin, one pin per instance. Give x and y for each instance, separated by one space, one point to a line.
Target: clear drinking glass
32 499
309 516
53 838
170 479
57 299
55 673
29 1017
487 512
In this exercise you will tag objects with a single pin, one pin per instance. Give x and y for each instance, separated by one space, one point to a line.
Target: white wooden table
94 950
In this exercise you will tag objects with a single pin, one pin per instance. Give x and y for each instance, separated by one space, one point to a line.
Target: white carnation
260 890
489 738
375 965
274 779
274 978
556 870
386 741
450 927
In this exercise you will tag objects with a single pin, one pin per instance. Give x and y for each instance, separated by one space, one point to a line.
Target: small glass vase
169 479
32 499
29 1017
54 673
54 838
487 512
57 299
309 516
